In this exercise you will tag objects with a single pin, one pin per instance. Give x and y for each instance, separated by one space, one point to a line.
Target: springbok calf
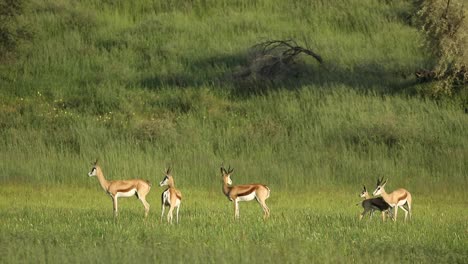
248 192
373 204
395 199
122 188
170 197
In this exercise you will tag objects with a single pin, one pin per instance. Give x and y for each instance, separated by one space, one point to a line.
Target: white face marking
229 181
164 181
126 194
377 191
92 172
246 198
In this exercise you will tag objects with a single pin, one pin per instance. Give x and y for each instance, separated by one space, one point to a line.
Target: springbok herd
172 197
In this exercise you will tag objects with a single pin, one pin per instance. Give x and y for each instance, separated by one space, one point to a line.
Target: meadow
144 85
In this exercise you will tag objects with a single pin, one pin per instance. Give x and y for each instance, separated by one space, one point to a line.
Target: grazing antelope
240 193
373 204
122 188
395 199
170 197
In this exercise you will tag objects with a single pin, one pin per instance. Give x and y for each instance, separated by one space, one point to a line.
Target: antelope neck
226 189
104 183
384 195
171 184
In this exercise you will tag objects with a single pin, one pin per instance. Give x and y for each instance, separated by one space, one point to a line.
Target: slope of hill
148 83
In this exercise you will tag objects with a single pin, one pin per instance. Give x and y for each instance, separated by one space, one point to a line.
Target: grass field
76 225
143 85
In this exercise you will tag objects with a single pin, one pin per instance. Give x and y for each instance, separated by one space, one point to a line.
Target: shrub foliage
446 28
12 31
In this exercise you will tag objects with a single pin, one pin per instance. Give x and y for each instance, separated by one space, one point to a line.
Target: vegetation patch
445 26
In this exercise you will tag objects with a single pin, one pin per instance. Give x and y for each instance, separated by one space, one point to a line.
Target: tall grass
310 137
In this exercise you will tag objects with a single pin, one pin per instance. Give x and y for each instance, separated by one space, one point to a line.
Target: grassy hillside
147 84
143 85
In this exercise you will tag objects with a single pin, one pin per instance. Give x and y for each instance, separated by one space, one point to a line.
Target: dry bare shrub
274 60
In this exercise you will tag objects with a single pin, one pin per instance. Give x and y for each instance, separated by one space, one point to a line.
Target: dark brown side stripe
249 191
403 197
126 190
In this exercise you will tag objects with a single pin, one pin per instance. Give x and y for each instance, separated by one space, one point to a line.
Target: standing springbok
170 197
122 188
373 204
395 199
248 192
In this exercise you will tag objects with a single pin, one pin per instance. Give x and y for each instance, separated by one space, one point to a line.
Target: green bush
446 28
13 32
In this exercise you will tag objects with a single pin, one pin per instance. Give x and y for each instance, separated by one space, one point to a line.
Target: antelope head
227 175
93 171
167 178
380 185
364 192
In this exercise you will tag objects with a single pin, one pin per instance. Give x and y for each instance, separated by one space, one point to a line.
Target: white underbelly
246 198
401 202
126 194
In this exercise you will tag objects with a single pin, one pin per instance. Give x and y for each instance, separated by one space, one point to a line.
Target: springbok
395 199
122 188
170 197
373 204
248 192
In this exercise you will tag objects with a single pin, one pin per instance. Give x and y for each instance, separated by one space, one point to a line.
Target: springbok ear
229 171
364 188
383 183
95 163
379 181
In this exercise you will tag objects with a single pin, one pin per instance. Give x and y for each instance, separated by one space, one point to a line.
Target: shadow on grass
230 72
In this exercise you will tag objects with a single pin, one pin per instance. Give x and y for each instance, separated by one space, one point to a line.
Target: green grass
288 139
144 85
76 225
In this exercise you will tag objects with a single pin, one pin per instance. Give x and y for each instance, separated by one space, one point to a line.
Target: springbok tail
268 191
